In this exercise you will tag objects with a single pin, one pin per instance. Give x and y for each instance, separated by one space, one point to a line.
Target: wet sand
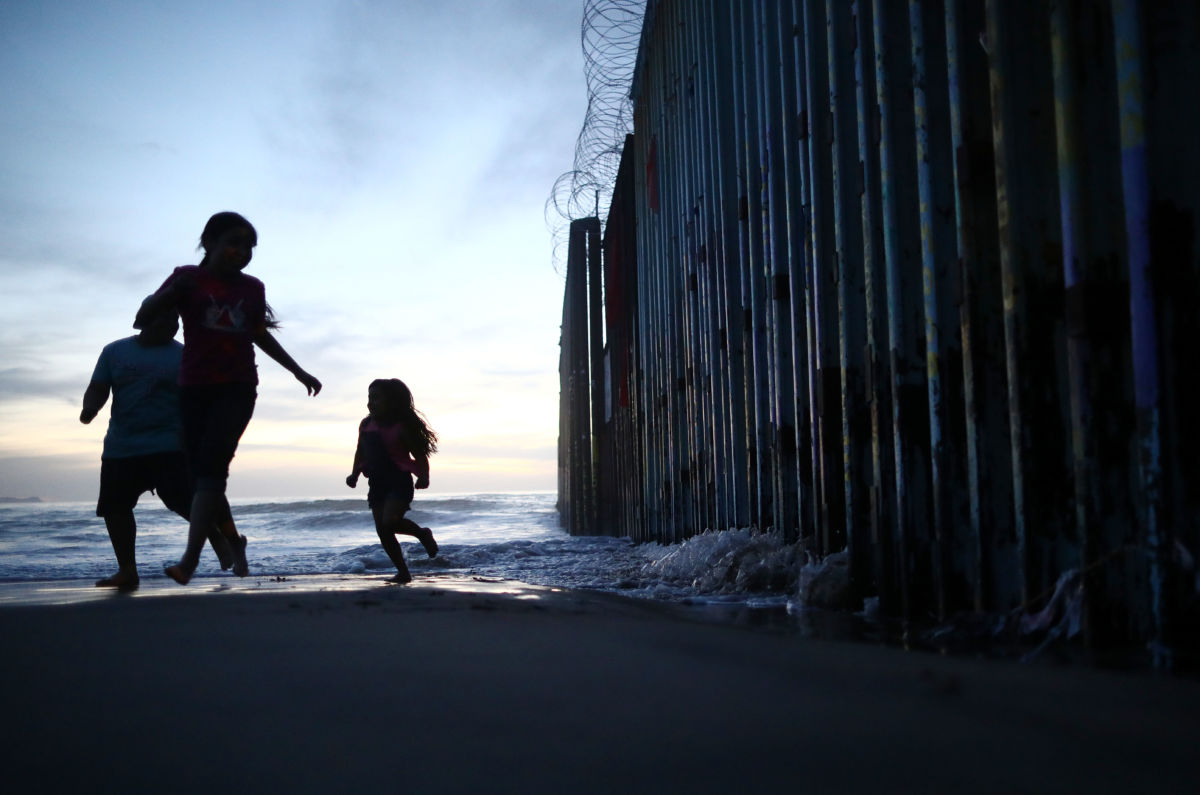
466 686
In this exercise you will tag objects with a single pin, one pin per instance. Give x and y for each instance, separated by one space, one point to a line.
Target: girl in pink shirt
394 445
225 315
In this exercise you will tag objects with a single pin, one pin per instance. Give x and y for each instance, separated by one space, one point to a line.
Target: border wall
917 281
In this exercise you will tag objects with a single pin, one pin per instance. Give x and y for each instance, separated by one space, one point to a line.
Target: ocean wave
334 519
472 505
505 536
300 507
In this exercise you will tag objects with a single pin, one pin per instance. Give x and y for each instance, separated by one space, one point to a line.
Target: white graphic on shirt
224 317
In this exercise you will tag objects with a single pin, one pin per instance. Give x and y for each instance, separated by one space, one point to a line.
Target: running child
225 314
143 448
394 444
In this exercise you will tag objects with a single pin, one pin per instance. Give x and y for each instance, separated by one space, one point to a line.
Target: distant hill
7 500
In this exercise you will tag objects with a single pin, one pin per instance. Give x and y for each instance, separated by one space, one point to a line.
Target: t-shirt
221 316
383 446
144 379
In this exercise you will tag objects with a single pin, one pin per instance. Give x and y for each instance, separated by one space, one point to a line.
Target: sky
395 158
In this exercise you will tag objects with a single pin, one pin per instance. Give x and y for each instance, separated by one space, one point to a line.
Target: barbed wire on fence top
610 34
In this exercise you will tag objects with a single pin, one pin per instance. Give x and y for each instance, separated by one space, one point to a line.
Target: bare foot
222 542
238 546
221 546
178 573
122 580
427 541
401 578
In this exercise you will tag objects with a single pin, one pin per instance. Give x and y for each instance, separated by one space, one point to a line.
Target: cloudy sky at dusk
395 158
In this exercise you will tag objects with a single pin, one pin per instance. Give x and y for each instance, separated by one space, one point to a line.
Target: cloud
21 383
394 156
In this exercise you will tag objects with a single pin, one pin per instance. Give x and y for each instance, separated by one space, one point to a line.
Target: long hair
227 221
422 440
223 222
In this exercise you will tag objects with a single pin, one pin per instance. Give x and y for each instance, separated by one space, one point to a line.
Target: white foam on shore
53 553
70 592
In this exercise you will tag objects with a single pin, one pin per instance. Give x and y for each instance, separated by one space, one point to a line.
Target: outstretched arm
270 346
94 399
356 468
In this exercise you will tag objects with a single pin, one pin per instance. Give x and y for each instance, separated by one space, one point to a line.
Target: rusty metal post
579 507
847 263
906 360
757 418
1096 311
804 304
777 243
1030 261
991 552
710 482
1142 308
676 209
940 278
651 261
595 341
879 485
795 433
693 364
731 319
828 428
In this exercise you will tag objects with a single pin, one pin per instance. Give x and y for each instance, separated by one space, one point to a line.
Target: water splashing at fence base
752 578
54 552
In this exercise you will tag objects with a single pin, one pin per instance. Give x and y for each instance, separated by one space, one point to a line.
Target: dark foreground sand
447 687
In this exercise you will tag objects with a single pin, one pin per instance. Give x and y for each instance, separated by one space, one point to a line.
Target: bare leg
206 507
122 532
422 534
235 541
386 519
172 495
220 545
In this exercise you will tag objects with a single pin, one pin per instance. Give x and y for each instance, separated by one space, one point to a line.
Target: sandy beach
466 686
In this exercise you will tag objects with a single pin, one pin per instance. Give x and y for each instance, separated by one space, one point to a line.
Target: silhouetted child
225 314
394 444
143 449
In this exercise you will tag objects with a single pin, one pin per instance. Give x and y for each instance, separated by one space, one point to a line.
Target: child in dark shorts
122 483
142 445
394 445
124 480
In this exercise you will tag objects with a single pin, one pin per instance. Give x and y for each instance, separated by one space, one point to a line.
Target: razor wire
610 34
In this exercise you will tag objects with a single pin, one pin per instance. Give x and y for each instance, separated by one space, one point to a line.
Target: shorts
124 480
397 485
214 418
